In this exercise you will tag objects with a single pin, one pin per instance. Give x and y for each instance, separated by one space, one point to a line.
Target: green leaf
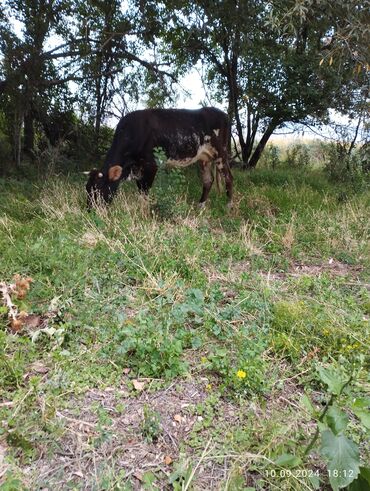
343 459
287 460
362 483
332 379
364 416
314 481
11 484
361 409
148 480
307 404
336 419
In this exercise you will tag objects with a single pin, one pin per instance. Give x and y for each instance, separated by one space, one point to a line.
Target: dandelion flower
241 374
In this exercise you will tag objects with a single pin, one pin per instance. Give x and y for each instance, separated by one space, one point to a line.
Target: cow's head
102 186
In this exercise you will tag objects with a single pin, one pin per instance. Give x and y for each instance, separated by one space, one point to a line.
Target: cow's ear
115 173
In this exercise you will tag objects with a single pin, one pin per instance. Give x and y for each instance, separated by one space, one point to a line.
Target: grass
180 353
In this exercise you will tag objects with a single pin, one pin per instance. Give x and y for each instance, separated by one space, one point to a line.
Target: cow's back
178 131
160 120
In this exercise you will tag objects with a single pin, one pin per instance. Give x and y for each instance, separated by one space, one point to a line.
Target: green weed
245 306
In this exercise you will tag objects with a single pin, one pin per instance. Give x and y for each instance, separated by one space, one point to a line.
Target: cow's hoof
229 205
202 205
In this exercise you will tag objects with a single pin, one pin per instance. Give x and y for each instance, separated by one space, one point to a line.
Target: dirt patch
331 267
104 433
103 437
231 275
335 268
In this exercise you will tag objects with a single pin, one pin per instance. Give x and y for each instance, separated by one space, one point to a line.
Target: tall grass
240 305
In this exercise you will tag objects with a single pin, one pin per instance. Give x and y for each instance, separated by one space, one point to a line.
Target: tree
268 77
89 43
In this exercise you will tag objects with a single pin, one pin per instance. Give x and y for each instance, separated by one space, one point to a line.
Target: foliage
266 79
95 45
350 32
151 426
271 157
269 65
168 187
297 155
341 453
343 166
152 349
245 326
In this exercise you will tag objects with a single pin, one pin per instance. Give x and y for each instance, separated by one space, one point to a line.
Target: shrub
151 348
342 166
169 183
298 155
271 157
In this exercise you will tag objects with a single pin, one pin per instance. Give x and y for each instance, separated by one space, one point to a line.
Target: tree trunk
17 138
261 145
3 86
246 149
29 134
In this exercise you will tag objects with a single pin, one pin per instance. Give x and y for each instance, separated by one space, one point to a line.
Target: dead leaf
167 460
138 476
16 325
139 386
39 367
32 321
89 239
78 474
178 418
126 371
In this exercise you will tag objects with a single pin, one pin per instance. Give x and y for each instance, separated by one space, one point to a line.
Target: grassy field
197 349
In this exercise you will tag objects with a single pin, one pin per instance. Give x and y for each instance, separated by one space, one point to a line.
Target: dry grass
89 449
107 268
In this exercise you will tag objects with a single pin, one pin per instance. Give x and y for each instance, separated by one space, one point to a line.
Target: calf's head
102 185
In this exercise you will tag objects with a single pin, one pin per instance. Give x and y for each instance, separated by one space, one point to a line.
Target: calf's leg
223 168
226 171
207 180
147 178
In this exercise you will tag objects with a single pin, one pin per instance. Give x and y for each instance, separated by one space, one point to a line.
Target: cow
186 137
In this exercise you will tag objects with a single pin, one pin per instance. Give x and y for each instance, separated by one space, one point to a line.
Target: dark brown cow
186 136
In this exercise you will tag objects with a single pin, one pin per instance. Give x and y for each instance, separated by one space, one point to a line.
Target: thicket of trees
67 65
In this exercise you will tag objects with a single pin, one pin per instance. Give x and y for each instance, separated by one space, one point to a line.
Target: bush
342 166
169 183
297 155
271 157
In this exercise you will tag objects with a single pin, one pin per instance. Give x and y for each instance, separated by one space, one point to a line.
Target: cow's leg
146 180
223 168
226 171
207 180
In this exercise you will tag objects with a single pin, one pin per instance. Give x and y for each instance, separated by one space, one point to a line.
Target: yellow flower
203 359
209 387
241 374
